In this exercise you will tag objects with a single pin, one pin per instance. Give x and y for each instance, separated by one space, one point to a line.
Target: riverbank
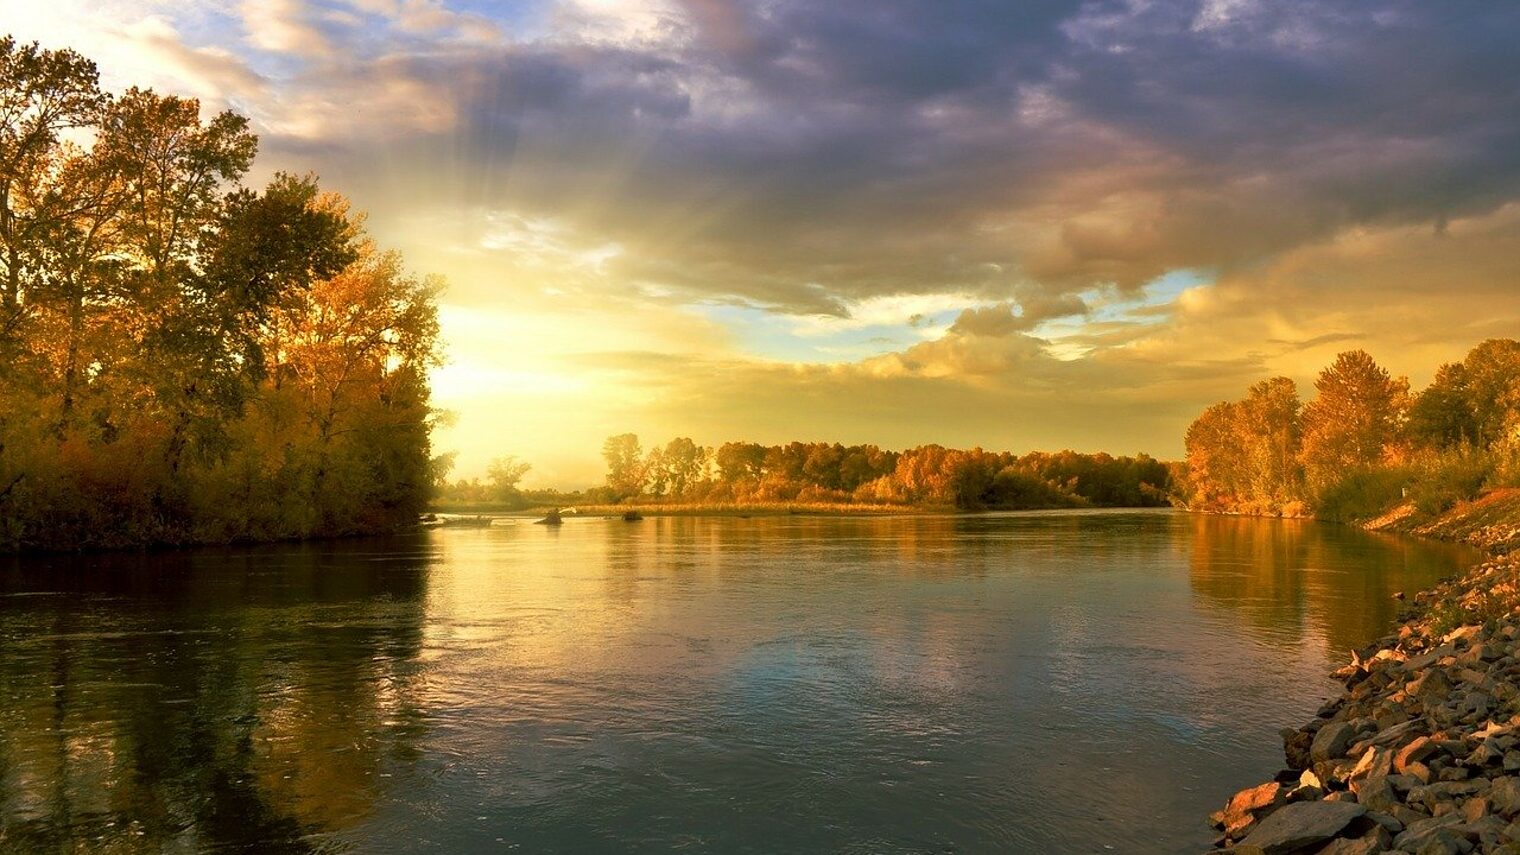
1421 752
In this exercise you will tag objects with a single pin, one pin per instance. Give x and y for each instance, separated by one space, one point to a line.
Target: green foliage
1363 494
1444 478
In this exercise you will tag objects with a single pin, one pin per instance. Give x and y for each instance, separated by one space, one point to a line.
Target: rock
1296 748
1504 796
1332 741
1377 794
1392 825
1442 843
1302 824
1375 762
1414 752
1475 809
1373 841
1416 834
1240 812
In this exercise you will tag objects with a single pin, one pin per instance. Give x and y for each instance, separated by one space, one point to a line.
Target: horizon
1065 226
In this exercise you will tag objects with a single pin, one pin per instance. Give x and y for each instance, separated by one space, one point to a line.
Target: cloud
1013 177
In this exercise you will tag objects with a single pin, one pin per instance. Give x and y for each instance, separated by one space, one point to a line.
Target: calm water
1068 682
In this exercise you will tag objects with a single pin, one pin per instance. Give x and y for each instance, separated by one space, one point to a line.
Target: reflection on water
1025 683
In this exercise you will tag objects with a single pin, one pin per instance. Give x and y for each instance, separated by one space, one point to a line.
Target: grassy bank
1490 522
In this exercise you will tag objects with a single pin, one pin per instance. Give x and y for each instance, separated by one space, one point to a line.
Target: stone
1296 748
1332 741
1377 794
1442 842
1376 761
1417 750
1416 834
1240 812
1475 809
1367 844
1387 821
1504 796
1302 824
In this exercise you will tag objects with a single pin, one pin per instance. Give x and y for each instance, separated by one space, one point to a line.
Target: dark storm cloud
806 154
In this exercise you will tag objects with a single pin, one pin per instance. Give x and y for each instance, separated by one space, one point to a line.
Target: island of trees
681 472
1364 444
184 359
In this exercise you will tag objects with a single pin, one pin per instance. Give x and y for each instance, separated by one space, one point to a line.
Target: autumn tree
182 358
1491 374
1269 432
1356 418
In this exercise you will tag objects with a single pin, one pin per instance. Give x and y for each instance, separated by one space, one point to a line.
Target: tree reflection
251 700
1310 580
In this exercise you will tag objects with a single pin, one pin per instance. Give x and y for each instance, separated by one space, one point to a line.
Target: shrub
1448 477
1363 493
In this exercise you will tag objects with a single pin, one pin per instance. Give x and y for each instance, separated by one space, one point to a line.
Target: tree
738 461
42 94
505 474
625 464
183 359
1214 465
683 463
1444 416
1355 420
1270 437
1491 373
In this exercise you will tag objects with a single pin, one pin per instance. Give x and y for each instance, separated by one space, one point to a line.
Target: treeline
831 473
183 359
1364 442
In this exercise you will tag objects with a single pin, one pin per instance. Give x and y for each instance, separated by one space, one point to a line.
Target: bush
1363 493
1448 477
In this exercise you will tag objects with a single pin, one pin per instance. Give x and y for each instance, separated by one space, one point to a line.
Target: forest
821 473
184 359
1364 443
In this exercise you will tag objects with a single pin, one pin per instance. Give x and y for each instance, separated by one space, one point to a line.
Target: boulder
1302 824
1332 741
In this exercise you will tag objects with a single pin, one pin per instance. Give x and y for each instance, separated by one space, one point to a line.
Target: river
1027 683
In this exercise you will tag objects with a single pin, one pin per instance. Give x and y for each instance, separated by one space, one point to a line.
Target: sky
1031 225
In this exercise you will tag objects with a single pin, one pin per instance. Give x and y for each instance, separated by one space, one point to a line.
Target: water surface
1028 683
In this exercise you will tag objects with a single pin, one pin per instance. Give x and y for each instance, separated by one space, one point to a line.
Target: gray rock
1302 824
1504 796
1377 794
1331 742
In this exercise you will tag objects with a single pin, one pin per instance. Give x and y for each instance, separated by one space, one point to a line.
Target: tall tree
1269 433
1443 415
1492 379
42 94
1356 418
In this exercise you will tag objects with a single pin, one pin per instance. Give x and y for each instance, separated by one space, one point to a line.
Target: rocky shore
1420 754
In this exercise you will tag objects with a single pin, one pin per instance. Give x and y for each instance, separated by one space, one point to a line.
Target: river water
1028 683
